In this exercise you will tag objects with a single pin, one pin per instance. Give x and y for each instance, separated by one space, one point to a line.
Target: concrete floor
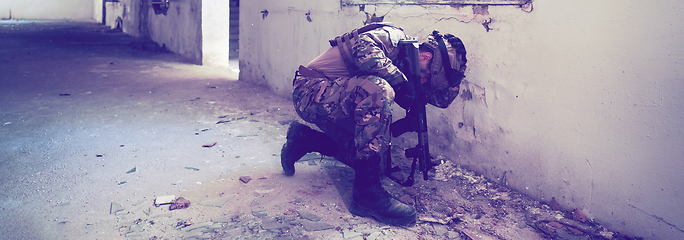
80 107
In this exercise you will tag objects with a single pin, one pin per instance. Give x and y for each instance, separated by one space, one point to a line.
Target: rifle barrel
417 119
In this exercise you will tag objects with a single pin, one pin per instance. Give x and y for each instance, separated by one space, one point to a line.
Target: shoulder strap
346 38
369 27
346 55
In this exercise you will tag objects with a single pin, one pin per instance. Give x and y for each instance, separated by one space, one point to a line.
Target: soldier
348 91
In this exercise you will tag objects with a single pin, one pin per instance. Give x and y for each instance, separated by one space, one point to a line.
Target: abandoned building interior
568 124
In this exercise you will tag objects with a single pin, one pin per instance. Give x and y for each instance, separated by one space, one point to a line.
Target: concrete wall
97 10
129 11
115 11
47 9
133 13
276 37
577 100
215 33
179 30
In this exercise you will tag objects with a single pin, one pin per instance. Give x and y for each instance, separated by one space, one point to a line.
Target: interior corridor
81 105
96 126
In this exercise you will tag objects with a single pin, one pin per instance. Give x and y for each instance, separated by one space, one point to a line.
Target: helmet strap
453 77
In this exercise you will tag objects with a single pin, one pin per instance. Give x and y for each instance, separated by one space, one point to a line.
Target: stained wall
580 101
177 29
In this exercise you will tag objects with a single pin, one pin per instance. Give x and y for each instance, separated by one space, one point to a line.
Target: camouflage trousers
355 112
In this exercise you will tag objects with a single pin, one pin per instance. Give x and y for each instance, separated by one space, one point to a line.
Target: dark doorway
234 43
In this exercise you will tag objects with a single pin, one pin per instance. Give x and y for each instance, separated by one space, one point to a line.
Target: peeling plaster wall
196 29
132 14
578 100
179 30
46 9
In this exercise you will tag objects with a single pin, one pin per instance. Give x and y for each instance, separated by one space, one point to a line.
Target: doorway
234 43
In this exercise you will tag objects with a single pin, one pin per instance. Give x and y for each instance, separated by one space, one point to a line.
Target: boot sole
363 212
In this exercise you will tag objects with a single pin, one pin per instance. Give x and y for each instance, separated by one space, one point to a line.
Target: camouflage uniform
347 92
355 111
346 111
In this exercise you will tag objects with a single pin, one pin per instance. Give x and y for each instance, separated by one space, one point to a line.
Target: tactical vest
345 43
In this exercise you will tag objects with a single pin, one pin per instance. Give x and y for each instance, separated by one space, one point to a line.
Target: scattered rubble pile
455 204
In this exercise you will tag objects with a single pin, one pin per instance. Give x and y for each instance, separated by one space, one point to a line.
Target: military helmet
447 72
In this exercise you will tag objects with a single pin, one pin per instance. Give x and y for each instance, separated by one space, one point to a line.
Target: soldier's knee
383 88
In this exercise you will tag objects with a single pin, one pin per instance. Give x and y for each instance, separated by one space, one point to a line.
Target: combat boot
301 140
370 199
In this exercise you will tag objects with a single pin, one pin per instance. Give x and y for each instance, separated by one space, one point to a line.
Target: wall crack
656 217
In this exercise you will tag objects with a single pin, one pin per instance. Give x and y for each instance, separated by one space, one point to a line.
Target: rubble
313 205
192 168
179 203
245 179
161 200
115 208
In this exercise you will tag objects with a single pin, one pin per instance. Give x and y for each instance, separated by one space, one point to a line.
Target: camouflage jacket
371 49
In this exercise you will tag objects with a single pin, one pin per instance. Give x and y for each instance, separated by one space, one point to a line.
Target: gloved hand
457 44
456 76
405 94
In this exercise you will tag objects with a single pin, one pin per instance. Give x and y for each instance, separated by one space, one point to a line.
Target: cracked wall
580 101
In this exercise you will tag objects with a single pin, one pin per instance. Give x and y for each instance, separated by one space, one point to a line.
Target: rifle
415 120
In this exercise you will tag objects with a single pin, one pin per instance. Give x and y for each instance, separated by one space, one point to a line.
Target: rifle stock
415 120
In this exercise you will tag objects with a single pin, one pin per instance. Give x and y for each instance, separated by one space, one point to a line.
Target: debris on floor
192 168
227 120
179 203
115 208
161 200
245 179
455 204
